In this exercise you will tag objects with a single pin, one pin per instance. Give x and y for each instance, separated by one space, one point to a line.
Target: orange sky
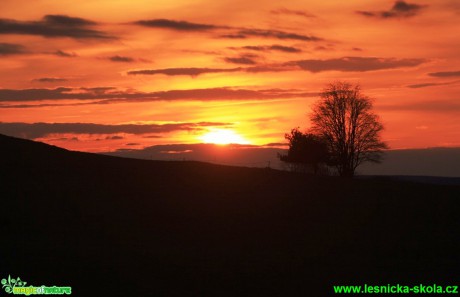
101 75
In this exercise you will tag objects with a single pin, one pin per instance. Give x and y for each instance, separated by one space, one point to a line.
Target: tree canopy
344 118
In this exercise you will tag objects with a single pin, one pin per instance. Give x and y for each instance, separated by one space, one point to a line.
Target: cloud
243 59
54 26
346 64
193 71
60 53
233 36
292 12
239 33
276 34
41 94
115 137
445 74
7 49
358 64
121 59
400 9
38 130
106 95
199 71
49 79
424 85
275 47
442 106
176 25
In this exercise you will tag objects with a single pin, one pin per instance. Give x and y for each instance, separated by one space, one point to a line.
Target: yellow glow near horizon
221 136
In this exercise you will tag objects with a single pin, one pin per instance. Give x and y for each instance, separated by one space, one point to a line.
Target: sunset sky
102 75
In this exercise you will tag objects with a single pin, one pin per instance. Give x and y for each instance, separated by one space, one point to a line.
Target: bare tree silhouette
344 117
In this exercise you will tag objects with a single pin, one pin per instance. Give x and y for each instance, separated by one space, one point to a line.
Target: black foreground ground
110 226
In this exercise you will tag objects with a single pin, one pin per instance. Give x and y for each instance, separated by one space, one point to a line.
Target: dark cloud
109 95
7 49
400 9
115 137
243 60
276 34
442 106
288 49
132 144
199 71
275 47
38 130
445 74
425 85
357 49
359 64
176 25
121 59
193 71
270 68
238 33
233 36
293 12
322 48
49 79
346 64
54 26
64 54
43 94
63 20
99 90
40 105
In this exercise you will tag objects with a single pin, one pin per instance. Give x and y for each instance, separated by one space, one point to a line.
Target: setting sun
221 136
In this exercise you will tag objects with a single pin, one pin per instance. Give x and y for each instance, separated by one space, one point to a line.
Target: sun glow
221 136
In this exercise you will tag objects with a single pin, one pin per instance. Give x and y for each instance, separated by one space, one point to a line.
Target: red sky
101 75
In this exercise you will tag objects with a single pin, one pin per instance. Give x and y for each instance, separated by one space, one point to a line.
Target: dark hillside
110 226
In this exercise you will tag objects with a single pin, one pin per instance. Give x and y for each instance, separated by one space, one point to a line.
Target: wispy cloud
49 79
64 54
357 64
232 32
344 64
122 59
193 71
277 34
54 26
400 9
176 25
38 130
7 49
445 74
105 95
293 12
442 105
246 59
431 84
275 47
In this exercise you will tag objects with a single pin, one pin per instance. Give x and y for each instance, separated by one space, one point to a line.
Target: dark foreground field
121 227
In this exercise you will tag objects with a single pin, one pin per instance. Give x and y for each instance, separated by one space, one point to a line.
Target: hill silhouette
110 226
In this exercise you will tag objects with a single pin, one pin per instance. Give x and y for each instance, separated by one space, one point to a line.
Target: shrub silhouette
306 150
